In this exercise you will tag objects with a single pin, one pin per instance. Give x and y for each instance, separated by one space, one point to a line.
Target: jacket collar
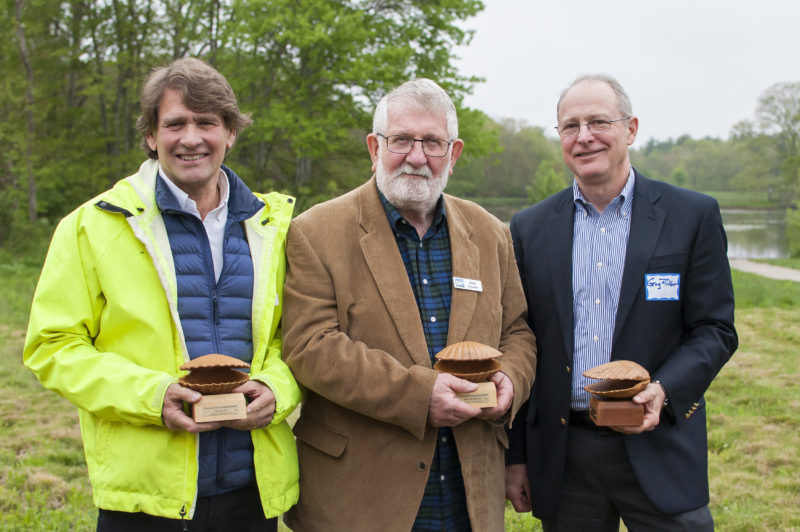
241 202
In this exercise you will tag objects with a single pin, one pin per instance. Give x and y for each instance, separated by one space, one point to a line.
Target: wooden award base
484 397
615 412
221 407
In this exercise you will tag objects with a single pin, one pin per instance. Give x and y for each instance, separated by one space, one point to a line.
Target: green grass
786 263
753 407
738 199
752 291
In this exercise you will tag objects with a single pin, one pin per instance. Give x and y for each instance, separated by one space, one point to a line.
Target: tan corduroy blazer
353 338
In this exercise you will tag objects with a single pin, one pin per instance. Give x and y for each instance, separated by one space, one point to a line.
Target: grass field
753 409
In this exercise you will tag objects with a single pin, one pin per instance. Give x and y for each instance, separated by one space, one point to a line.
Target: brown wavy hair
202 88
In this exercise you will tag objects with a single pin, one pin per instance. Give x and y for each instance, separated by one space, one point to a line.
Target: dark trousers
600 487
238 510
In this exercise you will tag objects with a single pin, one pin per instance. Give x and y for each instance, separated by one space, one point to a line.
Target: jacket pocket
319 436
673 261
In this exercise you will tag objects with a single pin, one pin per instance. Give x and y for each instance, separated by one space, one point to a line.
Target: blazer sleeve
708 309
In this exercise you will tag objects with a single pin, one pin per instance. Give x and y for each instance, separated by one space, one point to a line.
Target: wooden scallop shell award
214 376
475 362
610 403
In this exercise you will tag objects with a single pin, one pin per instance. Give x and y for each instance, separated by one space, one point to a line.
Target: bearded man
379 281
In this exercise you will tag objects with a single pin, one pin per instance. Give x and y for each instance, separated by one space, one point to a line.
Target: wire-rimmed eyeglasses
403 144
570 129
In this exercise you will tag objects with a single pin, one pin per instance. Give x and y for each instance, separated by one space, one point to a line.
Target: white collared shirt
214 222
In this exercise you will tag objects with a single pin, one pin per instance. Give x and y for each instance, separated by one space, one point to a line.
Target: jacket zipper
184 525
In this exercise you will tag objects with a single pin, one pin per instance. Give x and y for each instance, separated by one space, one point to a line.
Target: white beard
418 194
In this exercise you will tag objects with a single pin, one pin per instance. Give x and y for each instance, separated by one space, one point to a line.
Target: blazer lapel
389 274
646 222
558 229
466 264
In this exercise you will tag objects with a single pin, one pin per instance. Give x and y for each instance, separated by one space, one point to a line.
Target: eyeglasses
402 144
594 126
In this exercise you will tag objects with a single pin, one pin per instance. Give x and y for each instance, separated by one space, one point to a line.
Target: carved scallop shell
621 379
213 374
470 370
468 350
214 360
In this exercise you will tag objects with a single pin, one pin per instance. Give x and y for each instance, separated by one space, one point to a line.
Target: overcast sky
689 66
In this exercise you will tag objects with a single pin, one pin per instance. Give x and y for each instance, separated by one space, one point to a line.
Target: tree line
310 73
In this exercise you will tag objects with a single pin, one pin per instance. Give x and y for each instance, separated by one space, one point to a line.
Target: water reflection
755 234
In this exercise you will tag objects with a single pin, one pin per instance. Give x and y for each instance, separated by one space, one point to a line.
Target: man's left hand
260 409
652 397
505 396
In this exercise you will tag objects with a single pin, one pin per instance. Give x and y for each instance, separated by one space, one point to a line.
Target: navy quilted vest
215 317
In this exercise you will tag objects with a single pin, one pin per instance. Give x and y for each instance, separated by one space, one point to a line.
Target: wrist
666 396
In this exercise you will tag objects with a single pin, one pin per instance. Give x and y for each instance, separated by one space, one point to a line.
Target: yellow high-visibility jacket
105 334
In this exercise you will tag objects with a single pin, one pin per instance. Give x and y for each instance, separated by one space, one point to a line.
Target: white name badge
662 286
467 284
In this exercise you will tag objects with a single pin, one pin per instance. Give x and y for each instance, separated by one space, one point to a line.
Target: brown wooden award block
220 407
484 397
615 412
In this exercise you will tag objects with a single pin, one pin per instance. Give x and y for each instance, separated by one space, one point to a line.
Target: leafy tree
310 72
546 182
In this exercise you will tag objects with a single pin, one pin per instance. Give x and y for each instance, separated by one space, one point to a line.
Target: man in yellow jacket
176 261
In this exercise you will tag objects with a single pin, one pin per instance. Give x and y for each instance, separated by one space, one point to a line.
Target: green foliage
793 230
310 72
546 182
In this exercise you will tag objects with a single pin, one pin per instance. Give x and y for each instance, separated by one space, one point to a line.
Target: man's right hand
447 410
172 410
518 489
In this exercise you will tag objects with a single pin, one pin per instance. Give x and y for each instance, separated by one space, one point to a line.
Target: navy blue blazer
682 343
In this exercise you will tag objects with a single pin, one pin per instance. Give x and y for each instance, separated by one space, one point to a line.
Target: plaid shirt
429 266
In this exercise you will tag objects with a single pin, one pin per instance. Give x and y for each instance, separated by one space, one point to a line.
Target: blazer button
563 421
421 466
569 370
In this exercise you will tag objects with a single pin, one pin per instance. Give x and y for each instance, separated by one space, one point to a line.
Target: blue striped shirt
599 242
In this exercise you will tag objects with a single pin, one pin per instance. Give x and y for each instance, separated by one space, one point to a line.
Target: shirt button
441 478
599 264
602 229
424 281
421 466
433 319
444 439
597 301
596 338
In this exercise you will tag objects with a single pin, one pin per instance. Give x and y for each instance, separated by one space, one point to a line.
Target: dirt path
767 270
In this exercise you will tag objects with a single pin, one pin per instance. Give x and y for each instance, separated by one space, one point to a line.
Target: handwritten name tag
662 286
467 284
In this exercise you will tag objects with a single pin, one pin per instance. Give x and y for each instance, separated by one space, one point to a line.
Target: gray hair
622 97
423 94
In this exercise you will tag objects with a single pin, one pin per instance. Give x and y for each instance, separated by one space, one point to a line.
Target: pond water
752 234
755 234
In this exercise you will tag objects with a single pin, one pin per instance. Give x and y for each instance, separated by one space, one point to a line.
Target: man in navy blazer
618 267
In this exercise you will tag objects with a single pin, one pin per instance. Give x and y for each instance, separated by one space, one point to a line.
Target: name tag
467 284
662 286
